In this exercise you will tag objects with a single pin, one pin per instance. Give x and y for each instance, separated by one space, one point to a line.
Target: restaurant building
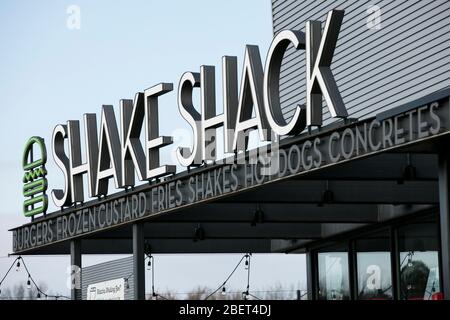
361 187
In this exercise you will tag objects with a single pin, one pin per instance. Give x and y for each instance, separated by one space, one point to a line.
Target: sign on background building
111 280
107 290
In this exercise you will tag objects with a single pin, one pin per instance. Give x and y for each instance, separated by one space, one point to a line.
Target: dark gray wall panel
376 70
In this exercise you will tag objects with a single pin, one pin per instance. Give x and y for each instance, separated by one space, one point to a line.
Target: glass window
374 267
333 275
419 261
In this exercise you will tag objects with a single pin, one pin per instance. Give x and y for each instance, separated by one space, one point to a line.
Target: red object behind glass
437 296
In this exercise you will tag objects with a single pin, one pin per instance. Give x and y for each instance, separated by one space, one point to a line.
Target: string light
150 263
247 267
245 295
247 258
30 279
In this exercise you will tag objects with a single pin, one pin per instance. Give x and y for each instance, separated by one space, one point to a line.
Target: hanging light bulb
224 291
127 285
410 256
333 295
18 265
29 283
38 295
246 262
149 263
410 262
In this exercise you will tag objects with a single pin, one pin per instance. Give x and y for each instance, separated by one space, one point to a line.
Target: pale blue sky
50 74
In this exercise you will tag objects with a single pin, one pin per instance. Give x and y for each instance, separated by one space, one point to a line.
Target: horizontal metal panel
375 70
319 12
396 74
376 49
356 17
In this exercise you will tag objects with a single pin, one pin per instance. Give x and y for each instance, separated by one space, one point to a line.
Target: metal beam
138 261
444 201
312 269
275 213
386 166
225 230
75 262
350 192
210 246
288 246
172 246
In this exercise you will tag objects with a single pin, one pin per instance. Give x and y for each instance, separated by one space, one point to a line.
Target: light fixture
127 285
149 263
38 295
224 291
410 254
199 233
409 172
28 283
246 262
327 196
18 265
258 216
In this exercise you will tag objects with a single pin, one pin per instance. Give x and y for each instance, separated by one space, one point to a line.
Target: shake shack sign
116 151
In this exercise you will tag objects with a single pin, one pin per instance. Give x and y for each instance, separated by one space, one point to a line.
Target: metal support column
353 270
395 263
311 275
138 261
75 262
444 203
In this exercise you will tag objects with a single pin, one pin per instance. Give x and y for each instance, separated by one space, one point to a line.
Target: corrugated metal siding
376 70
116 269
